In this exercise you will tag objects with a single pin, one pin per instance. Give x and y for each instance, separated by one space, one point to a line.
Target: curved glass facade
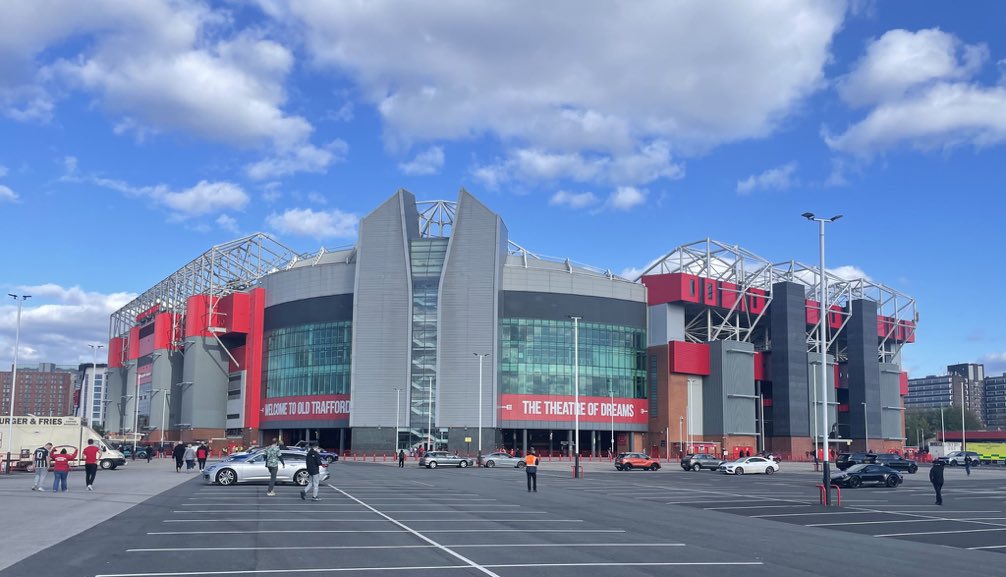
310 359
536 358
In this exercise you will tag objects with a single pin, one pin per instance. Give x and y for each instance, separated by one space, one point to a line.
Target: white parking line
458 546
1001 528
382 531
758 507
817 513
437 520
935 520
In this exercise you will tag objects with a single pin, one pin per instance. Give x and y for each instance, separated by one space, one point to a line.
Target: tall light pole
398 412
429 417
866 423
823 346
576 396
94 375
164 412
964 443
611 393
681 435
943 430
13 381
480 356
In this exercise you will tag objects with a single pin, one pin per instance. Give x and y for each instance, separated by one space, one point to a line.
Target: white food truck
30 432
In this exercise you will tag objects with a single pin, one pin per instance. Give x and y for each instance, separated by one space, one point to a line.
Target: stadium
436 329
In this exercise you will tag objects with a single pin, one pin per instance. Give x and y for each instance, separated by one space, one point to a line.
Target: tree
928 421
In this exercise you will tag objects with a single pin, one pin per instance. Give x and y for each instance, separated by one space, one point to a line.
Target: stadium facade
435 324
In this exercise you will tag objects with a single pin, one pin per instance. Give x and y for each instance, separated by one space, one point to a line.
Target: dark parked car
846 460
858 475
700 461
896 462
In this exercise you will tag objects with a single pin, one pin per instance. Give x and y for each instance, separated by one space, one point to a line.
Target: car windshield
856 468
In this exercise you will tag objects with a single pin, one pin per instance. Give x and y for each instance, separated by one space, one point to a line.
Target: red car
630 461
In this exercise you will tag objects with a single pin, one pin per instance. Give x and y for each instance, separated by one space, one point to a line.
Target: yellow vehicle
989 453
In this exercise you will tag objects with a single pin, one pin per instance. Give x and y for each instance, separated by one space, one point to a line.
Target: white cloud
921 94
900 60
994 363
430 161
849 272
7 195
574 200
228 223
778 178
316 198
58 322
583 86
163 65
626 198
304 158
3 171
314 224
204 198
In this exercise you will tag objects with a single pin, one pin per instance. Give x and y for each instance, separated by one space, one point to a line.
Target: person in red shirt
91 452
61 468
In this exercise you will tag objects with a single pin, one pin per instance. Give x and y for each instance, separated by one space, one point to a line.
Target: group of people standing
46 459
190 455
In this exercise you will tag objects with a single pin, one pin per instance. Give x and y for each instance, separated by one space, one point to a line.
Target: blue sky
137 135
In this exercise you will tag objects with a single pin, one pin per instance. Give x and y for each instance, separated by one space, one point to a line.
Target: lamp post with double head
398 413
823 346
19 299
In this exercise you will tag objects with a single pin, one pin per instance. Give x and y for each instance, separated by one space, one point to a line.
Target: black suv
896 462
700 461
846 460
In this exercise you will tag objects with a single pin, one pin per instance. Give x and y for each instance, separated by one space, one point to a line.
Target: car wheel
769 470
106 464
695 468
226 477
892 481
626 467
431 465
301 477
739 471
654 467
329 460
463 464
490 463
953 463
854 482
521 464
618 467
913 469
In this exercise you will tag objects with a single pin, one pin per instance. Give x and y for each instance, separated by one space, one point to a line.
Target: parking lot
376 518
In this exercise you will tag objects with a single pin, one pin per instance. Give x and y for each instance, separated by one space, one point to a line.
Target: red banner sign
306 408
562 408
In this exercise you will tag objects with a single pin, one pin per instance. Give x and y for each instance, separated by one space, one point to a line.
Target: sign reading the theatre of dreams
306 408
562 408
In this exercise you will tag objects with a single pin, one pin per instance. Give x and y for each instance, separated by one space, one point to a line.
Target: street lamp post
576 396
398 413
943 430
866 424
13 381
611 393
964 443
480 356
681 435
822 345
94 375
429 417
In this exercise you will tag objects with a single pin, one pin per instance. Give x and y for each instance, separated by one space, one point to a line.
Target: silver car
253 470
502 459
434 459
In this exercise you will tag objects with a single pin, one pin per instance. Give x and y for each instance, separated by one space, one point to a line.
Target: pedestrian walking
313 461
42 462
190 457
273 459
531 468
61 469
936 478
150 452
401 458
91 452
967 465
179 454
201 453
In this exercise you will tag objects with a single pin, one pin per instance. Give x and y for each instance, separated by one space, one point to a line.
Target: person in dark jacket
936 478
179 454
313 460
401 458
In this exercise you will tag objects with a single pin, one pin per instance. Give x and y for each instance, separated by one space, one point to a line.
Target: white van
31 432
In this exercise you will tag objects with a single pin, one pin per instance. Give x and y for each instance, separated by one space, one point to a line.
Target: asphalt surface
376 518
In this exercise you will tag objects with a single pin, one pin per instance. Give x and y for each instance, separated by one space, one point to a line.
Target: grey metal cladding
545 276
312 310
863 368
891 425
788 361
116 390
559 307
204 402
467 311
306 282
382 310
729 391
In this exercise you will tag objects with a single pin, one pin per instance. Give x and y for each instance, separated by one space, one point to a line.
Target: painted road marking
438 520
458 546
1001 528
382 531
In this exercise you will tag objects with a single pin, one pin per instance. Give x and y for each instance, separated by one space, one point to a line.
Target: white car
750 465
